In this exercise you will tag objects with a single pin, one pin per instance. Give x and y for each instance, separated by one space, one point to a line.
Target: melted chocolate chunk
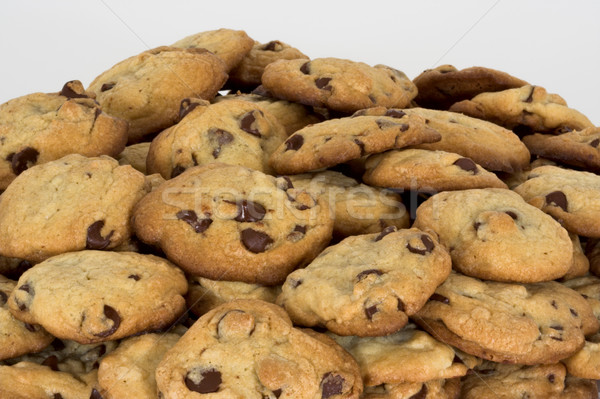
429 245
512 214
467 165
190 217
439 298
28 326
113 315
395 113
331 384
3 297
305 68
370 311
557 198
288 183
95 394
246 124
177 170
210 382
255 241
249 211
323 84
134 277
57 396
295 283
68 92
271 46
594 143
52 362
294 142
22 160
107 86
551 378
385 232
530 97
94 238
26 288
573 312
401 306
221 137
361 145
186 107
422 394
277 392
360 276
554 304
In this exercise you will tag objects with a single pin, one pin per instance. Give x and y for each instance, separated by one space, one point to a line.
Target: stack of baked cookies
328 229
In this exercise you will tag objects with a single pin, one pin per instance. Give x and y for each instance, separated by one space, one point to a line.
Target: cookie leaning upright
67 205
233 223
338 84
147 89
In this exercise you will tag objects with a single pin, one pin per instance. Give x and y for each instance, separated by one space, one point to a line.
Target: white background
554 44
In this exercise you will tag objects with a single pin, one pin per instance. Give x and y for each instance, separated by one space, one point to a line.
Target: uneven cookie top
525 109
338 84
336 141
69 204
434 389
428 171
16 337
367 285
229 45
146 89
357 208
95 296
512 323
248 72
571 197
494 234
249 348
42 127
233 223
409 355
232 132
445 85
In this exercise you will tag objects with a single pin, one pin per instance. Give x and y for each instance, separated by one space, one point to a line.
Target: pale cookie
336 141
227 222
338 84
586 362
41 127
229 45
589 288
526 109
427 171
135 155
233 132
445 85
436 389
357 208
571 197
249 349
581 264
69 204
510 323
17 338
205 294
147 89
367 285
96 296
494 234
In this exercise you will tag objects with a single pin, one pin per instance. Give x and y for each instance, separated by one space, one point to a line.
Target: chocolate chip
29 327
177 170
573 312
295 283
323 83
277 392
557 198
422 394
360 276
401 306
370 311
107 86
52 362
429 245
557 338
288 183
594 143
186 106
3 297
294 142
467 165
246 124
68 91
95 394
111 314
255 241
220 137
94 238
58 345
210 382
512 214
373 99
331 384
249 211
190 217
554 304
439 298
395 113
22 160
385 232
457 360
57 396
26 288
551 378
361 145
271 46
557 327
134 277
530 97
305 68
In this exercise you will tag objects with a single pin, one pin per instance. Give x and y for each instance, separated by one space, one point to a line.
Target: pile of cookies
223 218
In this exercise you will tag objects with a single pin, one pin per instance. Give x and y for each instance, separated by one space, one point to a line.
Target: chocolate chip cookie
135 155
434 389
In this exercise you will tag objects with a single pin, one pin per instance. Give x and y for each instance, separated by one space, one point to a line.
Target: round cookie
435 389
96 296
509 323
367 285
147 89
249 349
233 132
128 371
571 197
356 208
338 84
336 141
227 222
445 85
17 338
135 155
427 171
586 362
494 234
231 46
42 127
248 72
69 204
578 148
205 294
526 109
